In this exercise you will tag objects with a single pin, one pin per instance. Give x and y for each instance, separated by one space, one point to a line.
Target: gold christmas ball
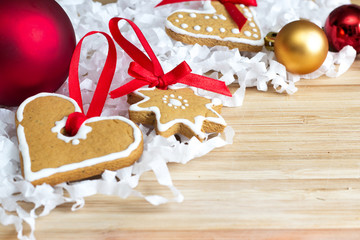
301 46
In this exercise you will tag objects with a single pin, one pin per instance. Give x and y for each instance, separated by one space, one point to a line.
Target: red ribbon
76 119
230 6
148 71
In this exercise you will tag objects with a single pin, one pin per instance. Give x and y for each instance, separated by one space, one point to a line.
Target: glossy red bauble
342 27
36 45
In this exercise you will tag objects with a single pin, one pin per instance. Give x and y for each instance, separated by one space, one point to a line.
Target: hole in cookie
64 132
59 128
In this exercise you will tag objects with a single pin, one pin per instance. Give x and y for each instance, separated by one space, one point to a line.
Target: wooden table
293 172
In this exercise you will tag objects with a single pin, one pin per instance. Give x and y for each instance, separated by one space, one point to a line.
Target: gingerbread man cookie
214 26
174 111
48 155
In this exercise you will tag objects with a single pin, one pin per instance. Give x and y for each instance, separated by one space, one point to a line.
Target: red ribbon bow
230 6
76 119
148 71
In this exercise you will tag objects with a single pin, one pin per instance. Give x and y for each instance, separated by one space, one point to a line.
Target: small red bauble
342 27
36 45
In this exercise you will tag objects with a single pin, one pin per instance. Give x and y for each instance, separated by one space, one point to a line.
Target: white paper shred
258 70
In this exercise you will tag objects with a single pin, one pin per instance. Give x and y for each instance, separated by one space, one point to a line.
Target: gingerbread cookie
214 26
48 155
174 111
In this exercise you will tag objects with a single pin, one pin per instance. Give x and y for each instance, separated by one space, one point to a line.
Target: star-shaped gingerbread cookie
175 111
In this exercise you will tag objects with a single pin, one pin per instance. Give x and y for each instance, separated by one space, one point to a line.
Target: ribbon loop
149 71
75 119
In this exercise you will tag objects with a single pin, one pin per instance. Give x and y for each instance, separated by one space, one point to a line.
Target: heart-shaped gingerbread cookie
214 26
49 156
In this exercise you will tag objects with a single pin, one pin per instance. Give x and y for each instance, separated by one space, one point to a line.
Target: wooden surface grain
292 173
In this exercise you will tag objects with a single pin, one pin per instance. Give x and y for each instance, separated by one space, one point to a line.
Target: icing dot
75 142
164 98
222 17
184 25
249 15
252 24
197 28
209 29
242 5
175 107
193 15
183 107
185 101
207 17
177 20
255 36
180 16
170 105
172 95
222 30
179 97
247 33
186 104
164 101
254 30
215 17
175 102
235 31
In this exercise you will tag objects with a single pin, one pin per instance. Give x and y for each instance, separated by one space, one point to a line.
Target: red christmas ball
37 40
342 27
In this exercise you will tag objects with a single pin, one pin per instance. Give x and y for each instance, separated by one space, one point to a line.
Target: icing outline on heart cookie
46 172
209 9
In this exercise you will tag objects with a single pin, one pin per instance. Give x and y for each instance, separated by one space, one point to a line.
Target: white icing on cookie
215 17
235 31
175 101
248 14
180 16
194 126
20 111
81 134
222 30
247 33
197 28
184 25
208 9
193 15
46 172
209 29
